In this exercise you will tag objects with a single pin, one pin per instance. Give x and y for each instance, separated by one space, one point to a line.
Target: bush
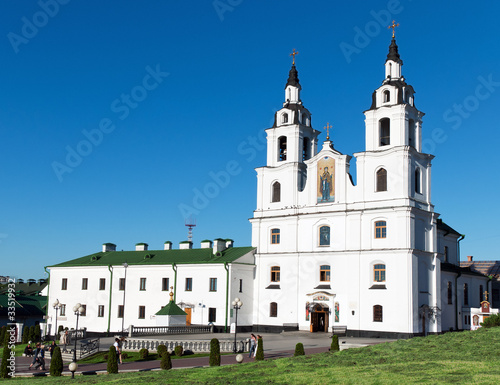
214 352
56 362
3 330
491 321
178 350
4 370
259 356
299 350
334 347
105 357
26 332
124 356
166 361
161 349
143 353
112 360
37 336
32 334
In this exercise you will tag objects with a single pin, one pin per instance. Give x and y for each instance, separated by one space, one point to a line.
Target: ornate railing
80 333
134 331
196 346
89 347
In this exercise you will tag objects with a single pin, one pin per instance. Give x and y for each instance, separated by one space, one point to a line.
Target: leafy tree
214 352
259 356
335 343
4 370
112 360
26 332
299 350
161 349
56 362
491 321
166 361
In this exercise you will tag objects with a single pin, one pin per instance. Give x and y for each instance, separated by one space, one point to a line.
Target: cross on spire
393 26
485 295
293 54
327 128
171 293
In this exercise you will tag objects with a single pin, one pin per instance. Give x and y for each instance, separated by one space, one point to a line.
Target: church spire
393 62
292 87
393 52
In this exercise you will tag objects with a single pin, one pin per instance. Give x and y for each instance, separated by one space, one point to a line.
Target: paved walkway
275 346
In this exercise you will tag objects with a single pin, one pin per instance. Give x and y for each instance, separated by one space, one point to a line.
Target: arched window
284 118
275 274
412 133
379 273
273 309
276 192
381 180
275 236
324 273
377 313
282 148
380 229
385 131
324 236
450 294
466 294
305 149
418 188
387 96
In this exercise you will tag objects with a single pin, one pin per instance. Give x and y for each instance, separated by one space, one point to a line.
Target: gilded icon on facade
326 180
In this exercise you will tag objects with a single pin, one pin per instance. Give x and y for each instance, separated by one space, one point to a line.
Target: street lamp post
56 305
78 309
237 304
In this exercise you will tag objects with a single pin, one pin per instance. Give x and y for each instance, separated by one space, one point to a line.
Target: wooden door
188 316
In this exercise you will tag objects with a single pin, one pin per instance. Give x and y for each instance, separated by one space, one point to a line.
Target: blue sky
181 92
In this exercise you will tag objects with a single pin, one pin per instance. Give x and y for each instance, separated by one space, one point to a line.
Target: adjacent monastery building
372 257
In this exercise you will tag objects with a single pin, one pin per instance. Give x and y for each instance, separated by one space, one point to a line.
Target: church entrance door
319 319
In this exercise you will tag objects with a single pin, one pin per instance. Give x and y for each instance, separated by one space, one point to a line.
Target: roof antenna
190 223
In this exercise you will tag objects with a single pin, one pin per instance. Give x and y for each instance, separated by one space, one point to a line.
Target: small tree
3 329
166 361
26 332
143 353
491 321
161 349
299 350
112 360
214 352
56 362
4 370
32 334
38 333
259 356
178 350
335 343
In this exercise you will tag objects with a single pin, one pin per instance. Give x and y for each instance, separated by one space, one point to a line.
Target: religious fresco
326 180
337 311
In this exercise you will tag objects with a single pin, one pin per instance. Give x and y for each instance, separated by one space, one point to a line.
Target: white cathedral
372 258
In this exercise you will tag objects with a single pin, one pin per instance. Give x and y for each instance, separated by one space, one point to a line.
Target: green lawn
458 358
134 356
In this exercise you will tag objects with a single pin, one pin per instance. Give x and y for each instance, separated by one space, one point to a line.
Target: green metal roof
171 309
158 257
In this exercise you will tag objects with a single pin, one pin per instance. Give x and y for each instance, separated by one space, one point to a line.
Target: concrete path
275 346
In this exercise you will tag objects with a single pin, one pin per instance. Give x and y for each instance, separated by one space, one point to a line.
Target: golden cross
171 293
327 128
393 26
293 54
485 295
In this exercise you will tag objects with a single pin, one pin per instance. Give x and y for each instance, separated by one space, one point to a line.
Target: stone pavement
275 346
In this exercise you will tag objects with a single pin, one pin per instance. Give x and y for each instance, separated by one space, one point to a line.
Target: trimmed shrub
32 334
166 361
56 362
4 370
37 336
161 349
3 330
178 350
26 332
143 353
214 352
112 360
299 350
334 347
124 355
491 321
259 356
106 357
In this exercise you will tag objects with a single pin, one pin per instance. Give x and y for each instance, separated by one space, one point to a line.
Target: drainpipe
110 293
174 268
227 294
462 236
48 296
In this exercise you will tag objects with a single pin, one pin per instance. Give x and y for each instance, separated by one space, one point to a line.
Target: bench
339 330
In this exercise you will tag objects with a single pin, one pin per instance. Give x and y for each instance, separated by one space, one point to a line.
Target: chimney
206 244
185 245
167 245
108 247
229 243
469 258
141 246
219 245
